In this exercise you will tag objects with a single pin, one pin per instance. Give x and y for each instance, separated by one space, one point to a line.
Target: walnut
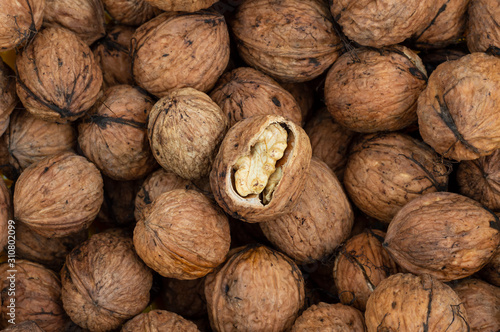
159 321
26 326
5 214
176 50
491 271
118 206
113 134
483 30
57 77
290 40
58 195
8 96
185 297
130 12
419 303
369 90
240 162
20 21
386 171
304 94
183 236
185 129
182 5
246 92
443 234
257 289
104 283
8 172
330 317
457 112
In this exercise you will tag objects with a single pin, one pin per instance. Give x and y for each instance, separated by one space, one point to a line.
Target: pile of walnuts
250 165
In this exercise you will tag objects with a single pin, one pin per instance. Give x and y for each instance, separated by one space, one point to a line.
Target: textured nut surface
27 326
5 213
491 272
483 29
8 96
20 20
182 5
159 321
330 317
304 94
130 12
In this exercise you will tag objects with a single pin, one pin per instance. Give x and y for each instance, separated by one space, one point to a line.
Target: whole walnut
20 20
385 171
290 40
457 112
58 195
130 12
182 5
113 134
8 96
104 282
57 77
257 289
118 206
483 29
330 317
443 234
491 271
370 90
419 303
159 321
26 326
184 297
5 214
261 168
177 50
185 129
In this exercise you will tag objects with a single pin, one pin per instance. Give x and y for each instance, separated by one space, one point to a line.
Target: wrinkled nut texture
257 289
57 77
26 326
5 213
185 129
182 5
491 272
20 20
483 29
330 317
159 321
386 171
185 297
130 12
419 303
443 234
290 40
58 195
10 173
104 283
458 111
176 50
243 146
304 94
8 96
183 236
369 90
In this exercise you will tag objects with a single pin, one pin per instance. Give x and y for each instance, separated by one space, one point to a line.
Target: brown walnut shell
330 317
6 169
369 90
290 40
417 303
20 21
181 5
304 94
58 195
130 12
8 96
483 30
5 215
491 272
26 326
178 50
118 206
458 111
443 234
159 321
104 283
57 77
185 297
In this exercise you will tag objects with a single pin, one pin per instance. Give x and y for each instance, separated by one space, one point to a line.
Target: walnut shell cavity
185 129
26 326
319 223
182 5
483 29
183 236
443 234
104 283
58 79
8 96
369 90
386 171
178 50
6 213
417 303
37 296
159 321
257 289
130 12
245 141
58 195
330 317
458 111
185 297
113 134
20 21
118 206
291 40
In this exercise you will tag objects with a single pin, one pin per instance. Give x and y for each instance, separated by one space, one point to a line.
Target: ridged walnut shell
458 111
130 12
290 40
182 5
491 272
386 171
330 317
483 29
257 289
185 297
8 96
159 321
177 50
104 283
26 326
58 195
57 77
183 236
443 234
415 303
304 94
239 142
20 21
369 90
5 215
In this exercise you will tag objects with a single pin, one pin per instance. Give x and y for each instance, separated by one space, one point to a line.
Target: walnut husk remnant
20 20
330 317
159 321
483 29
5 215
130 12
8 96
182 5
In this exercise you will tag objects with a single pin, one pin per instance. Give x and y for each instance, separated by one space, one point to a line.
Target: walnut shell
304 94
257 289
491 271
443 234
159 321
240 142
8 96
20 21
130 12
330 317
457 112
185 297
58 195
386 171
185 129
26 326
57 77
184 235
290 40
177 50
182 5
113 134
5 215
417 303
369 90
483 29
9 172
118 206
104 283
